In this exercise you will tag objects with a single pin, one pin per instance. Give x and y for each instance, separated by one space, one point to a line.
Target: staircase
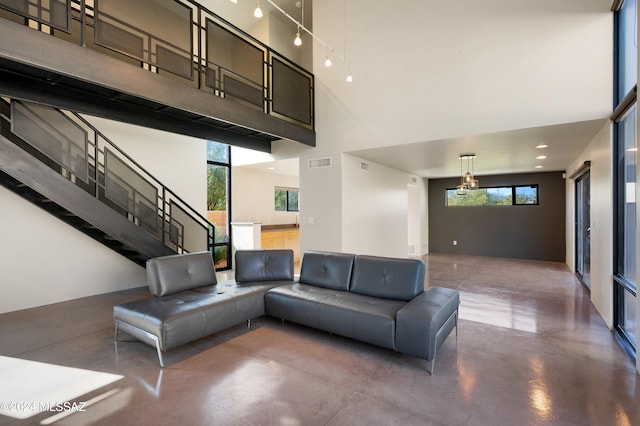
58 161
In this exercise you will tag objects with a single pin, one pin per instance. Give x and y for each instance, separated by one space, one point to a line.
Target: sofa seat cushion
388 278
368 319
190 315
264 265
328 270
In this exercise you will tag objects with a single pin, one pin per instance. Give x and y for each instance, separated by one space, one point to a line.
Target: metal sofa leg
160 359
140 335
433 362
456 324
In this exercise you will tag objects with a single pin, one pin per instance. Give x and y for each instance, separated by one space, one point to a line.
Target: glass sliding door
625 160
625 286
583 228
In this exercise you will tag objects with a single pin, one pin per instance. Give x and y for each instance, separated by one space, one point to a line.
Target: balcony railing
182 39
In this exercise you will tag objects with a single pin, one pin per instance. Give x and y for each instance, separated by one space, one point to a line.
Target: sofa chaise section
188 303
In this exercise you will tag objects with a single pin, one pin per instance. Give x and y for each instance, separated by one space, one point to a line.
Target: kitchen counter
283 227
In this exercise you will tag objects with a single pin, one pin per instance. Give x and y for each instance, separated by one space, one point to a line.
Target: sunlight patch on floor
28 388
496 311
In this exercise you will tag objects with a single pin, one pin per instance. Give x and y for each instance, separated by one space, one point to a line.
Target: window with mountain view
494 196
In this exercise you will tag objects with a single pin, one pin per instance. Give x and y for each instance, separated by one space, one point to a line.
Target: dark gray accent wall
534 232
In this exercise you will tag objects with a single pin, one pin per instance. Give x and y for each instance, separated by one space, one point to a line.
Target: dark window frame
287 191
513 196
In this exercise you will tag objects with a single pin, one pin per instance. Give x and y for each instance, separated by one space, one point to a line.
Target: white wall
252 195
375 207
321 208
178 161
599 152
426 70
44 261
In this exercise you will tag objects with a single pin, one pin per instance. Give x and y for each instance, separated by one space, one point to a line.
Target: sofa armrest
426 321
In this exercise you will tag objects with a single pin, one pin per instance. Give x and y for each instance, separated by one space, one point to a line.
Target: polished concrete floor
531 350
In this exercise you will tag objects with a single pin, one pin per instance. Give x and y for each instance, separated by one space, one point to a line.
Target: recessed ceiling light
541 157
538 166
542 145
272 168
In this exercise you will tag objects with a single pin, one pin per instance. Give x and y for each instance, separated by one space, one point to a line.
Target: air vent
414 180
318 163
364 166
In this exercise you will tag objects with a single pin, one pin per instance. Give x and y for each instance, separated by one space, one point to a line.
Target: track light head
258 12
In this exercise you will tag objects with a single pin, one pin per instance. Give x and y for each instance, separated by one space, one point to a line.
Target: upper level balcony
169 64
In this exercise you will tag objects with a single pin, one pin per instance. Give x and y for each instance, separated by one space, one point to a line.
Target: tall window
625 142
219 200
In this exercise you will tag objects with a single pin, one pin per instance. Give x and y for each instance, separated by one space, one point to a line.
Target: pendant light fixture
298 41
327 61
349 78
258 12
462 188
467 180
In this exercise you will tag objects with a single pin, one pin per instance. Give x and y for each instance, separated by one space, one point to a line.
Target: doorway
583 228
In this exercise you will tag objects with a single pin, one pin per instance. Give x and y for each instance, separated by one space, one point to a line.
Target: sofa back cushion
179 272
264 265
328 270
388 278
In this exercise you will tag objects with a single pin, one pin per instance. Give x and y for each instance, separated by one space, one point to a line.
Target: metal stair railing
79 152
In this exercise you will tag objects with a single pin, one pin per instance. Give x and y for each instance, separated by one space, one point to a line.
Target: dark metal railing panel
291 91
129 190
235 66
186 229
85 157
157 32
53 134
189 41
54 13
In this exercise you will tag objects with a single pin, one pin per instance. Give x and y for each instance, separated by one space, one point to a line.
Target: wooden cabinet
272 239
283 239
292 241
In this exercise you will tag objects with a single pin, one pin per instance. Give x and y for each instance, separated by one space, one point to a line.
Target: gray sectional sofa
377 300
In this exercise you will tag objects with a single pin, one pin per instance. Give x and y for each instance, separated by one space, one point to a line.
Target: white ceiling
288 167
497 153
